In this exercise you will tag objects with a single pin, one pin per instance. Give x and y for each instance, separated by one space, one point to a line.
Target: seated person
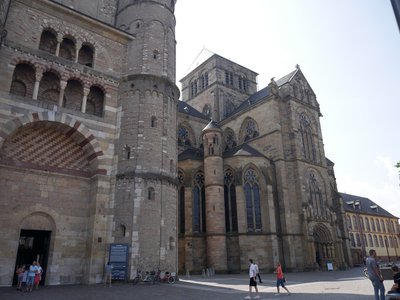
396 278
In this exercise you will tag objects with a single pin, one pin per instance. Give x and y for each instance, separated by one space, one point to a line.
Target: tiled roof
357 204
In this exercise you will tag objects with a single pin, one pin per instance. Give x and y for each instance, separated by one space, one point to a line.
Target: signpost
119 260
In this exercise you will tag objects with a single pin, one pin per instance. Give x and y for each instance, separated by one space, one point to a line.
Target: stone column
59 41
77 48
84 100
63 85
38 77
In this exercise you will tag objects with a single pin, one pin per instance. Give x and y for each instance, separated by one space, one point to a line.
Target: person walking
375 275
253 280
258 273
280 279
108 274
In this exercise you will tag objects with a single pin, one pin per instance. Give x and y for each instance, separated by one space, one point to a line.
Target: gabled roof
362 205
212 125
185 108
191 153
243 149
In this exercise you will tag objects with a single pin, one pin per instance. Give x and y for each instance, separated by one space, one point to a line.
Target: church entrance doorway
33 246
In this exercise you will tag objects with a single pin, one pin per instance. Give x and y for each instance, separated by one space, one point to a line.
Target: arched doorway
323 245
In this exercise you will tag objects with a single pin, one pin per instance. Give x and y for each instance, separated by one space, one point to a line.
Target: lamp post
387 249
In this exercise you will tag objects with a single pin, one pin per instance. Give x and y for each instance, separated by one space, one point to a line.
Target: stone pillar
84 100
38 77
63 85
77 48
59 41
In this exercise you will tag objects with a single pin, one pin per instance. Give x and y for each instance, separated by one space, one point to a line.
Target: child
20 273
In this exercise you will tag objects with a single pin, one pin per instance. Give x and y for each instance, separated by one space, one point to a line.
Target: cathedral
103 158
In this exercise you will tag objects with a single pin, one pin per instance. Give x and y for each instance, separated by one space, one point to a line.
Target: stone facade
87 137
89 148
258 170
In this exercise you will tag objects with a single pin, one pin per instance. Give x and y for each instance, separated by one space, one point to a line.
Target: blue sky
349 51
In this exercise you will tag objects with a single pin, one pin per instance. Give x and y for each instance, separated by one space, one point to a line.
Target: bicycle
147 277
162 276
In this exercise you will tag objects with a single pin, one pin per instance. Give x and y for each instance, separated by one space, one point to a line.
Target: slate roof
243 149
263 93
191 153
185 108
366 206
212 125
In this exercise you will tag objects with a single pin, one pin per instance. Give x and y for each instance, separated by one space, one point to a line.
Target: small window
156 53
151 194
153 121
127 151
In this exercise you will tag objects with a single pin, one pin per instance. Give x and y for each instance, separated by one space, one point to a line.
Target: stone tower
146 190
214 190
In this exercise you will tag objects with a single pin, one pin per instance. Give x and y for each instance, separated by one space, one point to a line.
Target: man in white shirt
253 279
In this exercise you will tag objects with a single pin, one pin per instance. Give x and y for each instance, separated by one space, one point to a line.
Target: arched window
230 139
349 222
361 223
365 240
383 226
391 242
358 240
242 83
371 243
23 80
95 101
306 138
385 239
203 81
231 223
249 130
253 205
381 241
48 41
73 95
199 204
67 49
49 87
193 88
181 203
376 244
207 110
85 56
184 136
373 225
378 226
396 244
315 196
367 227
355 223
151 194
387 226
353 242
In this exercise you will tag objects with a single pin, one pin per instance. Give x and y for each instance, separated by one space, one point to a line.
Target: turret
214 189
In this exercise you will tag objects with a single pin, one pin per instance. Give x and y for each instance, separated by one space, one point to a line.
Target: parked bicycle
147 277
162 276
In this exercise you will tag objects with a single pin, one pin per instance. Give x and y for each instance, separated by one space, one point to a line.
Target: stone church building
98 155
